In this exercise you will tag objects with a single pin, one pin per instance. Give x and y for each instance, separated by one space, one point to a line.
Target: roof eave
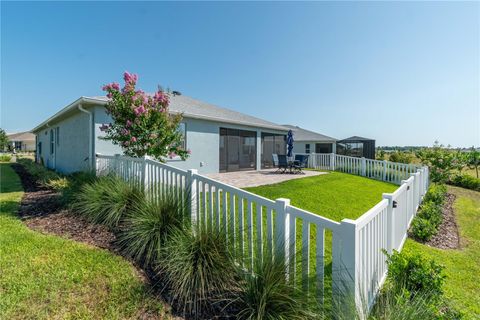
70 107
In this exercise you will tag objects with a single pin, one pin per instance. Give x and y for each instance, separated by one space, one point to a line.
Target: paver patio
244 179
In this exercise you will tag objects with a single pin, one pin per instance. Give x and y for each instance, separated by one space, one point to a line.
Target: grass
334 195
462 266
49 277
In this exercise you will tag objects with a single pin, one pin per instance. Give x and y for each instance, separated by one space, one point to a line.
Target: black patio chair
282 163
300 162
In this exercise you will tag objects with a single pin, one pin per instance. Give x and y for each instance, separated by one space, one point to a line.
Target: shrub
45 177
401 157
198 268
107 200
75 183
5 158
431 212
266 294
415 273
465 181
149 224
436 193
422 229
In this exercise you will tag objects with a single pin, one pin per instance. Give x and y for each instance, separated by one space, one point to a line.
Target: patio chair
300 162
282 163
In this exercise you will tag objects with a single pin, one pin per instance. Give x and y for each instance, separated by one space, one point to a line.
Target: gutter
90 135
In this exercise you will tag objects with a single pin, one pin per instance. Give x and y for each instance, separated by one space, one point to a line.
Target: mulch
42 211
447 236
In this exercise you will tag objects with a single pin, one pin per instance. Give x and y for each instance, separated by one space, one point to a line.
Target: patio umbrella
289 143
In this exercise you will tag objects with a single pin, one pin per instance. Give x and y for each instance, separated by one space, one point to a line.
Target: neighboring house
22 141
306 141
220 139
357 147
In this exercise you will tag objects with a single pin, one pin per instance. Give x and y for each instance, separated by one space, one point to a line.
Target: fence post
313 157
364 167
384 170
390 223
282 230
144 173
332 161
192 188
116 165
345 282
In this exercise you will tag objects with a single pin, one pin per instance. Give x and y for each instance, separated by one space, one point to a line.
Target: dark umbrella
289 143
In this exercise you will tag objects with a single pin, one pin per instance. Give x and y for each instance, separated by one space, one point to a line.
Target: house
357 147
22 141
306 141
220 139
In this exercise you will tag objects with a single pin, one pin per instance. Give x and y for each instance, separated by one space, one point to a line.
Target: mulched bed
41 210
447 236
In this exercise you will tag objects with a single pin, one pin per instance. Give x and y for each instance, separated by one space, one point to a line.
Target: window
57 135
40 147
52 141
307 147
182 128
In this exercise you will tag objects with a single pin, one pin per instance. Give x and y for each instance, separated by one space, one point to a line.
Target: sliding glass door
272 143
237 150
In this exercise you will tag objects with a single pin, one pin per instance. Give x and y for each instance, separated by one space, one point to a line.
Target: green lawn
462 266
334 195
48 277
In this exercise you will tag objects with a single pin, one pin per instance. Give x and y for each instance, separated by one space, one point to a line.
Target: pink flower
129 123
111 86
171 155
139 110
130 78
125 131
189 151
133 139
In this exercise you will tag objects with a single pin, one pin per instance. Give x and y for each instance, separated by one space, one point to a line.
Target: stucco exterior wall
203 140
71 152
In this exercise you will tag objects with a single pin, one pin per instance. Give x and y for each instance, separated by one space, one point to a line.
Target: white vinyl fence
331 260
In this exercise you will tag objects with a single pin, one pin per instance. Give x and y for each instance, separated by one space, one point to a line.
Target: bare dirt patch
447 236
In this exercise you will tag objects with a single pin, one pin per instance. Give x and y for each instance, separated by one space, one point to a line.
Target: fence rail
258 228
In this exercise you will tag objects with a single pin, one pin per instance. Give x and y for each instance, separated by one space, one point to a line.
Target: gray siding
299 146
71 152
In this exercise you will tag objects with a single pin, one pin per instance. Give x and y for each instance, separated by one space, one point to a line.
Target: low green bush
432 212
107 200
5 158
415 273
148 225
45 177
436 193
465 181
422 229
198 269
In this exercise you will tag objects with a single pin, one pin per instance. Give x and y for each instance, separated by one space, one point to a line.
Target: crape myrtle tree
141 123
441 161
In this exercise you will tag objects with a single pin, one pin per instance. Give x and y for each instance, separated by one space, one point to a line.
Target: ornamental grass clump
107 200
198 270
148 225
266 295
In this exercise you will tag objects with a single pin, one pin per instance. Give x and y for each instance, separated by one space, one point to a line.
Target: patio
243 179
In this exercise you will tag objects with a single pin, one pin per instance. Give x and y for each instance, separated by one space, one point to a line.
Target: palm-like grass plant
149 224
107 200
198 269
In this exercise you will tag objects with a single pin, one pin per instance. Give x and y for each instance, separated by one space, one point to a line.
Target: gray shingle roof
300 134
192 108
21 136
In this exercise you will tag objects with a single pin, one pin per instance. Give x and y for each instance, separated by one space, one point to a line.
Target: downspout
90 136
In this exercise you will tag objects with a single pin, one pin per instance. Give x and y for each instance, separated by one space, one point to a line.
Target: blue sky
403 73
